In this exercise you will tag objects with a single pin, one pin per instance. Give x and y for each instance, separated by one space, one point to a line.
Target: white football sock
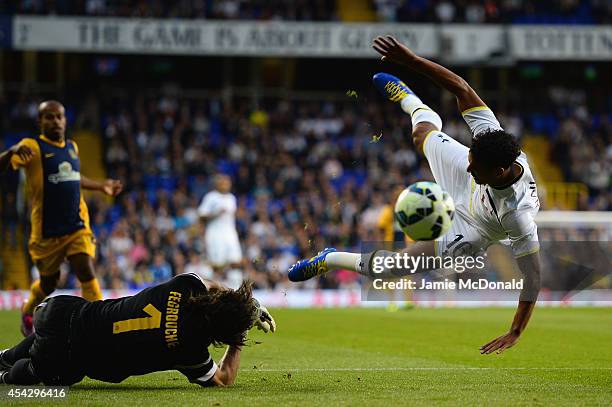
344 260
420 112
361 263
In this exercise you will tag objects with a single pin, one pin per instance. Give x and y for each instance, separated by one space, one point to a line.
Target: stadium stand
443 11
300 10
301 170
303 167
508 11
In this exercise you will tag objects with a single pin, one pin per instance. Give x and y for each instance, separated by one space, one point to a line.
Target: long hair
228 314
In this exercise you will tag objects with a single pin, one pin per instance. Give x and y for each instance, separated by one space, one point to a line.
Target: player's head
223 183
491 156
228 314
52 119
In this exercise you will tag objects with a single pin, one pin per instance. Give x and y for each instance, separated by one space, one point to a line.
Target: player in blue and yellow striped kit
60 219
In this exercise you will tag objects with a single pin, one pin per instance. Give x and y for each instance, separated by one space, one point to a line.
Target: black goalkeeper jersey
151 331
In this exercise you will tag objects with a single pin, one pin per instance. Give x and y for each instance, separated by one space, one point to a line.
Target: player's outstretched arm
394 51
110 187
530 268
228 367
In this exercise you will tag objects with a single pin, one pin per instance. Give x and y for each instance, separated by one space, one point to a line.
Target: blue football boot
391 87
308 268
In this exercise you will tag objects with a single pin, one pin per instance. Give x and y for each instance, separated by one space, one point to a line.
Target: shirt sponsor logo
65 174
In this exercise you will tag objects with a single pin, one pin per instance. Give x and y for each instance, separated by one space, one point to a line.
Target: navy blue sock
21 373
20 351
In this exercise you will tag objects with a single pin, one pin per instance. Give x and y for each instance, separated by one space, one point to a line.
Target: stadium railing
565 195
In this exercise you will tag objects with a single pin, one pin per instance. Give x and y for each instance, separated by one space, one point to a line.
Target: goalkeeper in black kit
166 327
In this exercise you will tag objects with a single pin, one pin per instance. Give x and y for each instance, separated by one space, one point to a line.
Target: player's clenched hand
23 152
500 344
263 319
112 187
393 50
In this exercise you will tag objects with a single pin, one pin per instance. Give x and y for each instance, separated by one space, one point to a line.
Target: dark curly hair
228 314
494 148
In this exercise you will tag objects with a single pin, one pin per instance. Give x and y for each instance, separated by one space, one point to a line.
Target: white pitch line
400 369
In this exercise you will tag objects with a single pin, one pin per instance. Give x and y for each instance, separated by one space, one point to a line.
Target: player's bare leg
83 267
48 284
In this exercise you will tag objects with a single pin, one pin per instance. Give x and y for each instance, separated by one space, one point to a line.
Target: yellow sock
91 290
36 296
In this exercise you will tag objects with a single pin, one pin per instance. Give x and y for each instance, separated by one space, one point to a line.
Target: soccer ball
424 211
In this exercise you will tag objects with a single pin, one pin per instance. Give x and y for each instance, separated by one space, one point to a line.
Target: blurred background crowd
306 174
442 11
314 161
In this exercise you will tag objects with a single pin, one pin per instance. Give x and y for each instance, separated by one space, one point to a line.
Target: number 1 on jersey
137 324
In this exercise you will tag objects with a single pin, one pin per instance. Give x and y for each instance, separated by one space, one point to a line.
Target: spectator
142 277
198 266
160 269
445 11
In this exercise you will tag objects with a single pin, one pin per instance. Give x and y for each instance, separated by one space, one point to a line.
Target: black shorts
51 352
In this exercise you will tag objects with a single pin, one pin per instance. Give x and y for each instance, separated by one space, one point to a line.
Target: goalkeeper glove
263 319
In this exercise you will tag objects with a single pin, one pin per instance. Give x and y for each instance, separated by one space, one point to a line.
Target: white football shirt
498 215
222 210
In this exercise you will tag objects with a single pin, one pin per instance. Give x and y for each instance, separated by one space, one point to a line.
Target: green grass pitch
374 357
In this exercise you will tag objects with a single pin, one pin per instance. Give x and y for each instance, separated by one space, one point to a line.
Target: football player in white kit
218 211
491 183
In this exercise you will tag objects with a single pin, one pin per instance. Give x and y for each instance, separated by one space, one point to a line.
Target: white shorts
223 251
462 239
448 161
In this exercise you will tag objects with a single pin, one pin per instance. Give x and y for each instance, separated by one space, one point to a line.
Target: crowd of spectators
306 174
489 11
293 10
581 147
442 11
